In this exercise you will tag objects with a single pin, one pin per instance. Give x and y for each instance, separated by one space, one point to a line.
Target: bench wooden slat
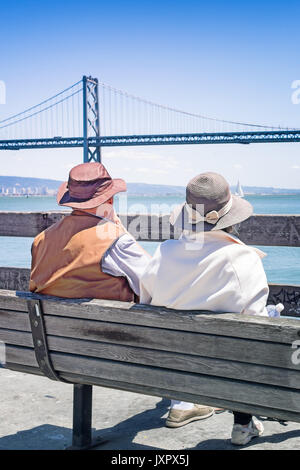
171 394
16 338
14 320
189 397
204 385
198 321
181 381
198 344
11 300
163 359
281 330
169 340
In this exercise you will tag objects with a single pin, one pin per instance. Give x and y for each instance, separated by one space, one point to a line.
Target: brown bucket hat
210 205
89 185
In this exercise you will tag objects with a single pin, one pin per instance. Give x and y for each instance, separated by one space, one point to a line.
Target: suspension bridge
91 115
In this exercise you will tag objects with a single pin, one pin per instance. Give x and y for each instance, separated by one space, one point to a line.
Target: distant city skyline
26 191
22 186
230 60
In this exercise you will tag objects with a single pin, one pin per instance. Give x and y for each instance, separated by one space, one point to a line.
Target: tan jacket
66 259
212 271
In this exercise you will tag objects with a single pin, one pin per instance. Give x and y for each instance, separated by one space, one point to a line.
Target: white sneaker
241 435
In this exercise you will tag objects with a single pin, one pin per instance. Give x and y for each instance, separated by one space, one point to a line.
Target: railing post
91 120
82 416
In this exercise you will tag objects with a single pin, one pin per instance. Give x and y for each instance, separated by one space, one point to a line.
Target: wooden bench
248 364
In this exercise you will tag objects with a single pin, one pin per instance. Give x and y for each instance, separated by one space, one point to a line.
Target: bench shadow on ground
221 444
51 437
44 437
122 435
264 440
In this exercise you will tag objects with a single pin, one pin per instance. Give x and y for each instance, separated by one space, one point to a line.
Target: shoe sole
247 440
172 424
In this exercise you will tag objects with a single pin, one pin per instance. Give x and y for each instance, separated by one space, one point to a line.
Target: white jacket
212 271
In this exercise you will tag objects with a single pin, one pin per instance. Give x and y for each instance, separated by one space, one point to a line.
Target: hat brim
64 198
240 210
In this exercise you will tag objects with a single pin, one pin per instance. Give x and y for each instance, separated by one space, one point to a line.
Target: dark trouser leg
241 418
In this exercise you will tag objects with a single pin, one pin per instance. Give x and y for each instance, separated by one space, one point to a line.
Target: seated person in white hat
88 253
208 268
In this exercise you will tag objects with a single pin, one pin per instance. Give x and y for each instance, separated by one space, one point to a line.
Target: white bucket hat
209 205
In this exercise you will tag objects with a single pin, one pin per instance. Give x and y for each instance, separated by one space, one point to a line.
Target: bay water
282 265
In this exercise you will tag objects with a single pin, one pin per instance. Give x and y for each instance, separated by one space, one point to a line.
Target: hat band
86 191
211 217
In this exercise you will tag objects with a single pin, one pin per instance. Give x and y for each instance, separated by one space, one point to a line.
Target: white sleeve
148 278
126 258
253 283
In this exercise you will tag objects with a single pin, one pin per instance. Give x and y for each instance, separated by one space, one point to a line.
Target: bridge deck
155 139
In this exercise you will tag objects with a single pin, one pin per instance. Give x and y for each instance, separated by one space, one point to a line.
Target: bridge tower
91 120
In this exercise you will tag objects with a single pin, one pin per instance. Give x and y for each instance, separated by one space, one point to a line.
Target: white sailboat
239 190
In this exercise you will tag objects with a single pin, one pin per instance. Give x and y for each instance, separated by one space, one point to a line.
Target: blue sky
231 60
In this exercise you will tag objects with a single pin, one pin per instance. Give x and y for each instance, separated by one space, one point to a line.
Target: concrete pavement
36 413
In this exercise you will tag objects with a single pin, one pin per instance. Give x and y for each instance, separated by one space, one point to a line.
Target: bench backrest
242 363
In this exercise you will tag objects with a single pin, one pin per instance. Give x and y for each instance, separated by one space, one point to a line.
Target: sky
226 59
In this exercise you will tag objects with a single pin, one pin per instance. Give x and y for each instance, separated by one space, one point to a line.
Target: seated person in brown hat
88 254
208 268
